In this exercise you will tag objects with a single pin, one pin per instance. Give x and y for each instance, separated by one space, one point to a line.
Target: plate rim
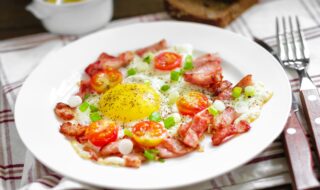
43 61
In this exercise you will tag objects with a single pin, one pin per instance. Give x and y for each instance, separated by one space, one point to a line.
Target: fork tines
291 43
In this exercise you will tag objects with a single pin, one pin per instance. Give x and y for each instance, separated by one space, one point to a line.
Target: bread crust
197 11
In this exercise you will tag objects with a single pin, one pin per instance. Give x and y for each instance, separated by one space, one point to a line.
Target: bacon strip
171 147
152 48
72 130
85 88
105 60
133 160
110 149
207 73
64 111
245 81
224 126
192 132
223 134
225 91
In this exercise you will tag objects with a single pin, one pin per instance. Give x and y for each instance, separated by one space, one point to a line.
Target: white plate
55 79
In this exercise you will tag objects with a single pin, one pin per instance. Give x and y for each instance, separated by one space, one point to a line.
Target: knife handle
299 154
310 100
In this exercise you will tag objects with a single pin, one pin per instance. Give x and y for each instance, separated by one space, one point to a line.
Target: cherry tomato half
167 61
148 133
192 103
102 132
103 80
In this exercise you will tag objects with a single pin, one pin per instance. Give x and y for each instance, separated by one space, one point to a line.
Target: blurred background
16 21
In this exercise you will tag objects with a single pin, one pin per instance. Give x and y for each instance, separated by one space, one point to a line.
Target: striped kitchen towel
18 57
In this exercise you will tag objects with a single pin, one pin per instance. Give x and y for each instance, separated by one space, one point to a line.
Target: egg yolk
129 102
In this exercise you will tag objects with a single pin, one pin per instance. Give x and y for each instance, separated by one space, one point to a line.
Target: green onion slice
151 154
93 108
165 88
95 116
127 132
148 58
249 91
188 64
84 106
155 116
131 72
236 92
213 111
175 75
169 122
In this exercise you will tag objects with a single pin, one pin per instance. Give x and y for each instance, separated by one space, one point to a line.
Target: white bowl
73 18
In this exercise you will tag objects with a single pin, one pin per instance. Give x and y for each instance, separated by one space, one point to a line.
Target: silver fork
294 54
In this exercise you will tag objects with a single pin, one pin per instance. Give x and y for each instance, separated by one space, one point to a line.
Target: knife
296 143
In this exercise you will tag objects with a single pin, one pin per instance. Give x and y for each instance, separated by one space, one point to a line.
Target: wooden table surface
16 21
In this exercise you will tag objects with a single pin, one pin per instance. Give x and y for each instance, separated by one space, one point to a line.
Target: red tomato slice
102 132
192 103
167 61
148 133
103 80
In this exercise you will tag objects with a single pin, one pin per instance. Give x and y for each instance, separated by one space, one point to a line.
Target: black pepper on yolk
129 102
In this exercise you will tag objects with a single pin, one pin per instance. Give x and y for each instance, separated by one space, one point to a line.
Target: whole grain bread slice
215 12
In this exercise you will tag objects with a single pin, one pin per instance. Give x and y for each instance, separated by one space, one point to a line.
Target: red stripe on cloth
11 166
7 121
10 178
5 111
13 172
46 183
265 158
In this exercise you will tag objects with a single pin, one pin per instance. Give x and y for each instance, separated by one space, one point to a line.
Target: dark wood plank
16 21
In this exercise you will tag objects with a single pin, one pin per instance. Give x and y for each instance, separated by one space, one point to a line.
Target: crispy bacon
72 130
64 111
94 154
223 134
152 48
245 81
207 73
191 133
105 60
85 88
172 147
110 149
133 160
225 90
224 126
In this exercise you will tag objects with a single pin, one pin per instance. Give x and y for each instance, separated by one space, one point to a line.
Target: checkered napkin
18 57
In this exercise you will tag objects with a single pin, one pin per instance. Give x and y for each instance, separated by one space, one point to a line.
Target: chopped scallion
155 116
127 132
249 91
236 92
175 75
95 116
84 106
86 96
188 64
93 108
151 154
213 111
165 88
169 122
148 58
131 72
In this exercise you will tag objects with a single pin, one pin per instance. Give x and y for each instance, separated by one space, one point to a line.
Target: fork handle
310 100
299 154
